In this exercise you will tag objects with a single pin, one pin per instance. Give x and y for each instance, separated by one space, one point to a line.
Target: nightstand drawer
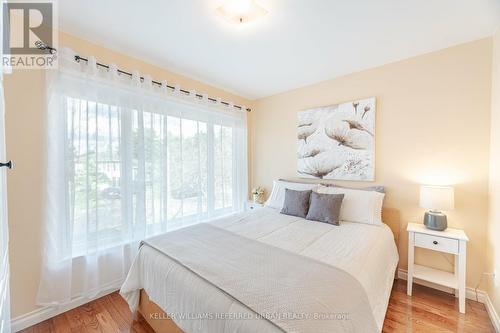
437 243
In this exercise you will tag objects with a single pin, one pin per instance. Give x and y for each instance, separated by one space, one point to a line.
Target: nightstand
452 241
250 205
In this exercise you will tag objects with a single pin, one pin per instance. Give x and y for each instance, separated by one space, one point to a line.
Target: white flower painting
337 141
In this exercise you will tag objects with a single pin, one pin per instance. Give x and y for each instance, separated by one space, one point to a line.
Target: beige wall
24 97
494 217
433 123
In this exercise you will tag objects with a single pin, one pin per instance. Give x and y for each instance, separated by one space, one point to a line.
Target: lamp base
435 221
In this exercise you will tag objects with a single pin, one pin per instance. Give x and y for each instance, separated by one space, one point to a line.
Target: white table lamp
437 199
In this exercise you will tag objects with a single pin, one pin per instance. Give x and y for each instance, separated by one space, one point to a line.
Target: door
4 232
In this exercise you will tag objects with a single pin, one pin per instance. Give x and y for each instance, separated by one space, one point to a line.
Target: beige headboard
391 217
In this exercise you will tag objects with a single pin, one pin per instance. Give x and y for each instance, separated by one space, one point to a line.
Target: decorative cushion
277 197
325 208
296 203
358 205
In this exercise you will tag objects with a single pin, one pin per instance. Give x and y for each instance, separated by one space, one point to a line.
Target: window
127 160
134 173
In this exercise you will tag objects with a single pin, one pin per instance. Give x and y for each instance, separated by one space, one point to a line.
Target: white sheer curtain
127 160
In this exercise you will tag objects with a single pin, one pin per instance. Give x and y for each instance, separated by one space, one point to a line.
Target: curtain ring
148 81
164 86
92 65
113 71
136 78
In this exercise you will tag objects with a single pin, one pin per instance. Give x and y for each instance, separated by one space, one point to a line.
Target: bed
173 299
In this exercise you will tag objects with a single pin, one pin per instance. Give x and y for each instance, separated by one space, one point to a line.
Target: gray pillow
325 207
376 188
296 203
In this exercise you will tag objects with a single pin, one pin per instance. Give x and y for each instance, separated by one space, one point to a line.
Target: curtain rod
43 46
187 92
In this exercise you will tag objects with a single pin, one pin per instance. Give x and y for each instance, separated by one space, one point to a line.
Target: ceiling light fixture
241 11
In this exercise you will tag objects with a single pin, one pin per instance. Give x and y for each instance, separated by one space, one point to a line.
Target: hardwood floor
427 310
106 314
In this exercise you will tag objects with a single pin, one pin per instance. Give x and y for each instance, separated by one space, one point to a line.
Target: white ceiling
299 42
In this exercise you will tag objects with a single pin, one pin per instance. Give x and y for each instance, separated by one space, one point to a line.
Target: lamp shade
437 197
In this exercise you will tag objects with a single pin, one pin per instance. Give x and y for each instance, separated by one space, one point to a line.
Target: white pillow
358 205
277 197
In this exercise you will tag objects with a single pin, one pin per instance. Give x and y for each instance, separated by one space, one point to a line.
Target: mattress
367 252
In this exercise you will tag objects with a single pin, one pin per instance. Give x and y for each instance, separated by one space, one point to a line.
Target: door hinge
8 164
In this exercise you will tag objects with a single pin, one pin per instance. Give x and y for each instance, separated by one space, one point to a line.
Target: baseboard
46 312
495 319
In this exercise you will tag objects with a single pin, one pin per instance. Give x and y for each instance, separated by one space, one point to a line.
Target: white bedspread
367 252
